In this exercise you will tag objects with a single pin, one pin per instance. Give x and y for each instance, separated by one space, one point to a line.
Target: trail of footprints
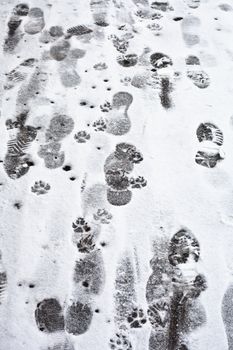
174 286
172 292
211 141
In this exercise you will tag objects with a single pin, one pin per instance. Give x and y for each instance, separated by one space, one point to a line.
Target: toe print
81 226
98 98
120 342
103 216
136 318
82 136
40 187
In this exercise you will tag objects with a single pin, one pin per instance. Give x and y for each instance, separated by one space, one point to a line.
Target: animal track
120 342
82 136
100 125
40 187
136 318
103 216
138 182
81 226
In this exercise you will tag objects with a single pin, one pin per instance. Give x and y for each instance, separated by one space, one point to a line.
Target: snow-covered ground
116 187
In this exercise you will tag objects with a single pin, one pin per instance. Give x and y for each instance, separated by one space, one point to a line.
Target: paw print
120 342
139 182
103 216
126 81
155 28
82 136
158 314
136 157
100 66
85 244
136 318
142 14
106 107
120 44
99 125
156 15
80 226
40 187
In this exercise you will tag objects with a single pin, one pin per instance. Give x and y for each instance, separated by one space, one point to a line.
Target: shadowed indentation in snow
35 22
89 273
78 318
190 30
124 290
49 316
227 315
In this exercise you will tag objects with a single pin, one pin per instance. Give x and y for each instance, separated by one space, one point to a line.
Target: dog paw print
99 125
136 318
81 226
120 342
121 45
136 157
103 216
82 136
138 182
40 187
142 14
158 314
156 28
156 15
100 66
106 107
126 81
86 244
